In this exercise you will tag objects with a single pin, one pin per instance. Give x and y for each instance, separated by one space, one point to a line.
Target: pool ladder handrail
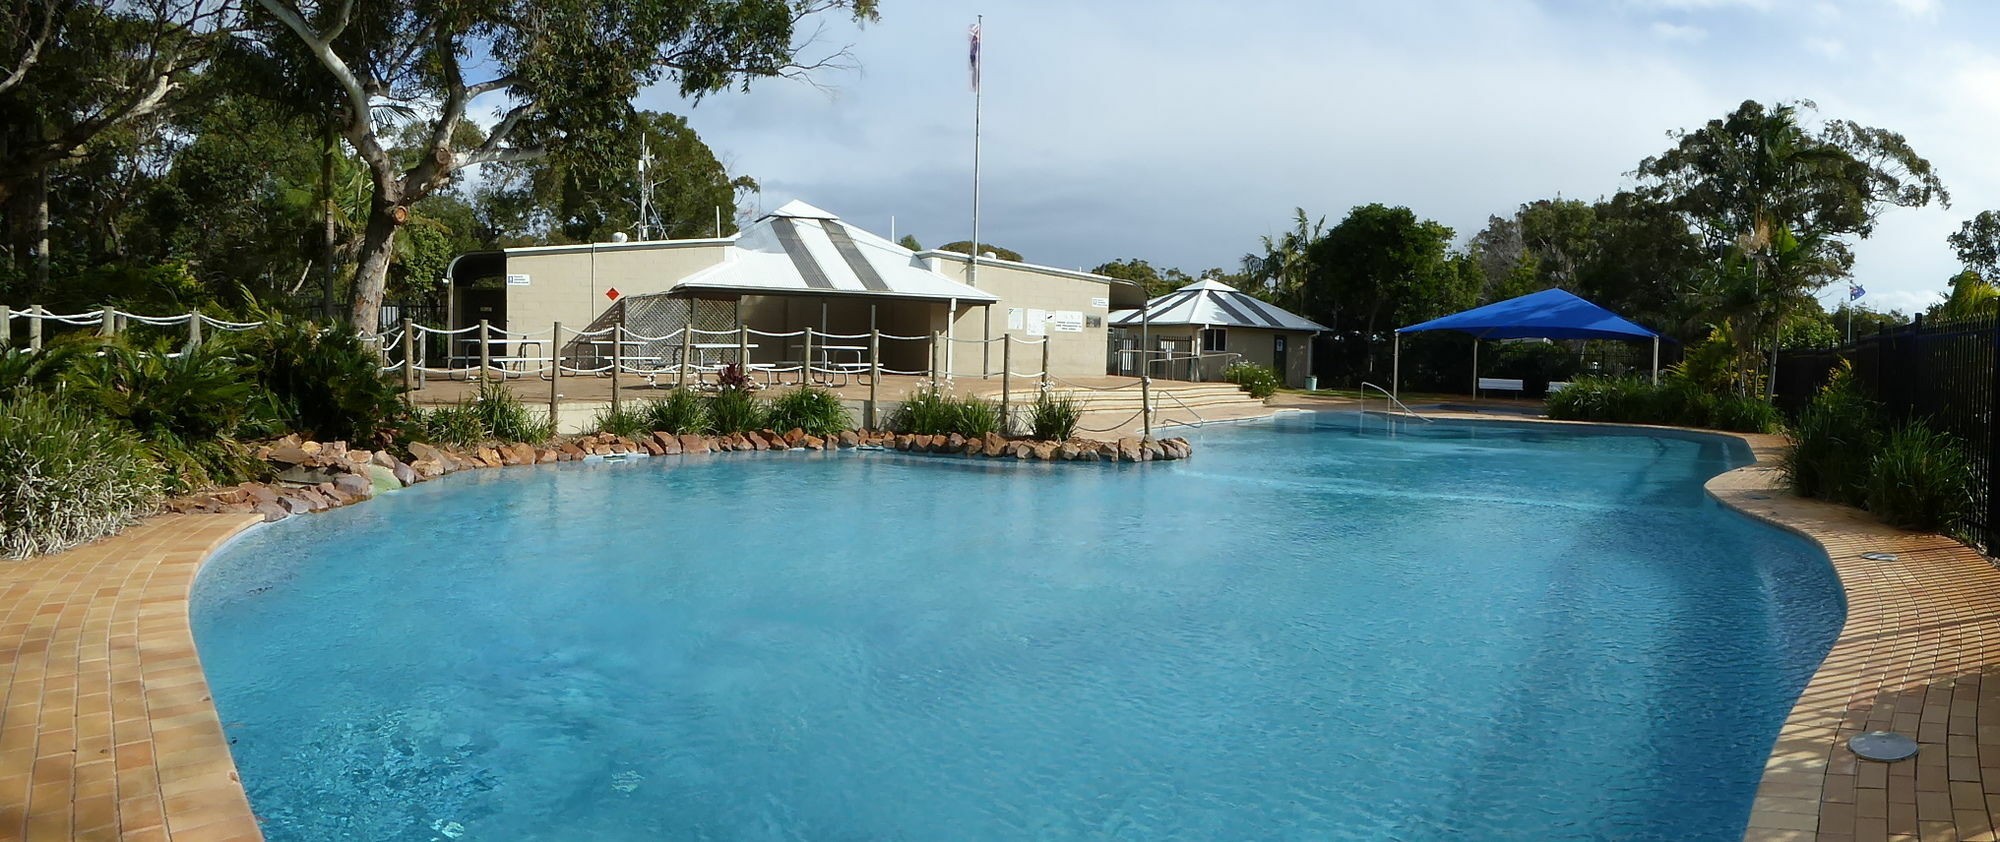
1198 420
1391 396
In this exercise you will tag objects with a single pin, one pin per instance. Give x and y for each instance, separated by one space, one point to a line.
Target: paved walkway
108 731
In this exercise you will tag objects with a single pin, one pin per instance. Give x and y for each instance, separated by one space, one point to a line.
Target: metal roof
1214 304
800 249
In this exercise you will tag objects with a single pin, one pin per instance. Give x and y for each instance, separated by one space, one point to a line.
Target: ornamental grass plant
1054 416
814 410
681 412
68 475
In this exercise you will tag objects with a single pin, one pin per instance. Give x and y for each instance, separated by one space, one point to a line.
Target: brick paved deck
108 732
1919 655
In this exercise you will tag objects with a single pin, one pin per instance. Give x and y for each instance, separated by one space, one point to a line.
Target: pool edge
1921 637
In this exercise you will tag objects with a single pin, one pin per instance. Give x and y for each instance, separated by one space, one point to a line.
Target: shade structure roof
1549 314
799 249
1213 304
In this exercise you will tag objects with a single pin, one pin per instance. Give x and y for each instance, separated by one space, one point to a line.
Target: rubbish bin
1312 383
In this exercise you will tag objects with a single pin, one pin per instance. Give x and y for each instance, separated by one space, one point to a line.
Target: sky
1179 131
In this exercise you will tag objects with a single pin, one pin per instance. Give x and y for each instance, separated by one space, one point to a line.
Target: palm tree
1282 266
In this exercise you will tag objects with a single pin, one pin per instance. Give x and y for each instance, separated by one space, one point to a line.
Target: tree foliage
566 70
965 247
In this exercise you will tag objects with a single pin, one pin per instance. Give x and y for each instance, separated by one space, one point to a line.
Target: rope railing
406 349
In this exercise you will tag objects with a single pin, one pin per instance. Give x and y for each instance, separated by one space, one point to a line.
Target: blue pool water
1317 628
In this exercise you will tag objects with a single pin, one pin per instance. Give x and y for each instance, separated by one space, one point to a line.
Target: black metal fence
1941 371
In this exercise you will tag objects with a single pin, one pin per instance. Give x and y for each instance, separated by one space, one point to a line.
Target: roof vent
618 237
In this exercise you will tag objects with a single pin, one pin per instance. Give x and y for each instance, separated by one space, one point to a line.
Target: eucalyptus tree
563 70
564 198
1756 179
72 71
1977 242
1382 267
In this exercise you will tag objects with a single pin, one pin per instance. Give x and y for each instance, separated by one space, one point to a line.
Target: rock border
312 476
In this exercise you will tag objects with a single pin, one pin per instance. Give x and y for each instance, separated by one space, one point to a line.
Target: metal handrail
1198 420
1365 385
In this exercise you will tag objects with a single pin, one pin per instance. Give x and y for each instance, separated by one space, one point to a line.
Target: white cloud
1159 130
1678 32
1922 8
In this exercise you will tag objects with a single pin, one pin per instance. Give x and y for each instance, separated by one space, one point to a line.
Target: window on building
1214 339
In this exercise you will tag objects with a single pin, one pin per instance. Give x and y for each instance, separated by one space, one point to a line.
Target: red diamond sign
611 293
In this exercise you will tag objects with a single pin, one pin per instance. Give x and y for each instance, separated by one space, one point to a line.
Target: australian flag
1854 292
975 57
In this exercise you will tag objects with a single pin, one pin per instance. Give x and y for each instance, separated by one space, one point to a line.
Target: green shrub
502 415
1834 441
976 416
187 408
625 420
455 425
1630 400
1920 479
814 410
1259 380
322 382
1054 416
926 412
22 370
735 411
681 412
67 476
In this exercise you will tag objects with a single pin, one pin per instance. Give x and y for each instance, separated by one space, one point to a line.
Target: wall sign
1067 321
1037 322
517 280
1101 303
1014 319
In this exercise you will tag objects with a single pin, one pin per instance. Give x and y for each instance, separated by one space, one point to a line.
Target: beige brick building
795 268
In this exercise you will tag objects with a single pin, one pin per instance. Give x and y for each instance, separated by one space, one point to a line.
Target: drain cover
1760 496
1882 746
1880 556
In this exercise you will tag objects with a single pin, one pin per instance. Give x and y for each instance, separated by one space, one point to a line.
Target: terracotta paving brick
1917 655
107 730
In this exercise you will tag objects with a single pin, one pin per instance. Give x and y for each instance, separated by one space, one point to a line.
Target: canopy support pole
950 325
1475 368
1656 359
1396 368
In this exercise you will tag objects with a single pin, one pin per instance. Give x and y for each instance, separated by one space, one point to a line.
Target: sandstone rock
271 511
849 438
1068 451
757 441
994 444
406 475
379 479
571 450
1128 449
302 475
669 443
488 457
420 450
794 435
295 505
312 448
955 441
1044 450
813 443
940 444
288 454
383 458
545 455
427 469
691 443
1150 449
1020 450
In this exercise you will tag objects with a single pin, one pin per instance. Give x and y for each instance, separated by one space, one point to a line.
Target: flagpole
972 272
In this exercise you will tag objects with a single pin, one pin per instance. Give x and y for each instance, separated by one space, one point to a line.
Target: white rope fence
559 351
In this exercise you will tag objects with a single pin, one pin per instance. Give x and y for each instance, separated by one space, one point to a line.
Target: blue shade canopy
1549 314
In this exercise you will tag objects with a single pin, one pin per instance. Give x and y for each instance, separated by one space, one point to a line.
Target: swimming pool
1322 626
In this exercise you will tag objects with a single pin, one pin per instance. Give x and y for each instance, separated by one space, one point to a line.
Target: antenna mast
645 191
